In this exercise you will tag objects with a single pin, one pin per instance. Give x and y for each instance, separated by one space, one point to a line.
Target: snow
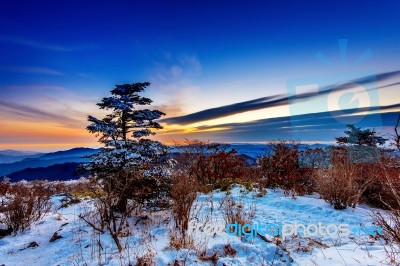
151 236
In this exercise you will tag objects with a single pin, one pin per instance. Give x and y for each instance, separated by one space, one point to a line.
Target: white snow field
151 236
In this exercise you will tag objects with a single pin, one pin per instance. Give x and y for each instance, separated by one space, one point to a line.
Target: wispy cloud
175 68
172 82
28 94
31 88
274 101
191 63
32 70
45 46
35 113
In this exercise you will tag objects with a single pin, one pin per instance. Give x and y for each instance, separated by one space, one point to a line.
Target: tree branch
397 133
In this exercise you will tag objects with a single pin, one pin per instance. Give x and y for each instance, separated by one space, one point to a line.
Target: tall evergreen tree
358 136
129 162
361 144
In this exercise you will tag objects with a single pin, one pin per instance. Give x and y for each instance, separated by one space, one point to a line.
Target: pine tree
129 163
361 144
358 136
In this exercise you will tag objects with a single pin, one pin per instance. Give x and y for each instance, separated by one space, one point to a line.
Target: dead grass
236 212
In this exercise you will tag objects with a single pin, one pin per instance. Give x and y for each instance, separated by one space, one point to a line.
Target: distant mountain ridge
18 153
68 153
60 165
48 159
56 172
10 156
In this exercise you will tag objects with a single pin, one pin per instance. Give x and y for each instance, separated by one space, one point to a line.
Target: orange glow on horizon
46 146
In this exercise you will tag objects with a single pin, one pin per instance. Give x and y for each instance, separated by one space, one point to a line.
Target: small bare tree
397 137
103 218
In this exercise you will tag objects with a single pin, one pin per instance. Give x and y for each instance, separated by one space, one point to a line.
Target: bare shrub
183 194
145 261
5 186
281 168
146 188
387 196
390 221
343 183
387 193
213 164
385 178
26 204
178 241
80 188
235 212
105 218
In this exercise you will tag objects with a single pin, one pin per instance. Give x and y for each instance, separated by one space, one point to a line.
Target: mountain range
61 165
58 165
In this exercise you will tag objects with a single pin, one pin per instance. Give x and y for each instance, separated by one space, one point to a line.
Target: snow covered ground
150 237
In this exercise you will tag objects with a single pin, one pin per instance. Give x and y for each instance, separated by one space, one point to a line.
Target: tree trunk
121 204
124 125
116 240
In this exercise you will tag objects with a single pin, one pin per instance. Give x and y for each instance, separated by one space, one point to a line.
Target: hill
10 156
56 172
45 160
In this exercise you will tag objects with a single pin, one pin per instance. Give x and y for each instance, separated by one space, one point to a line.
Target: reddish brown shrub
211 163
281 168
386 178
26 204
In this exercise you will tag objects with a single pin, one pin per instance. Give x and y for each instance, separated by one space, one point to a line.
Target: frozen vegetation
76 243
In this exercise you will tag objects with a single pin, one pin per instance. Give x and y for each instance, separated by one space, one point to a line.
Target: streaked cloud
32 70
277 100
32 87
35 113
42 45
316 127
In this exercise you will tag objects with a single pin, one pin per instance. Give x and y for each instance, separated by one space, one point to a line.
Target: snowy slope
77 245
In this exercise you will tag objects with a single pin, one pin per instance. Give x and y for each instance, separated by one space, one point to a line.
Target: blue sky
58 58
